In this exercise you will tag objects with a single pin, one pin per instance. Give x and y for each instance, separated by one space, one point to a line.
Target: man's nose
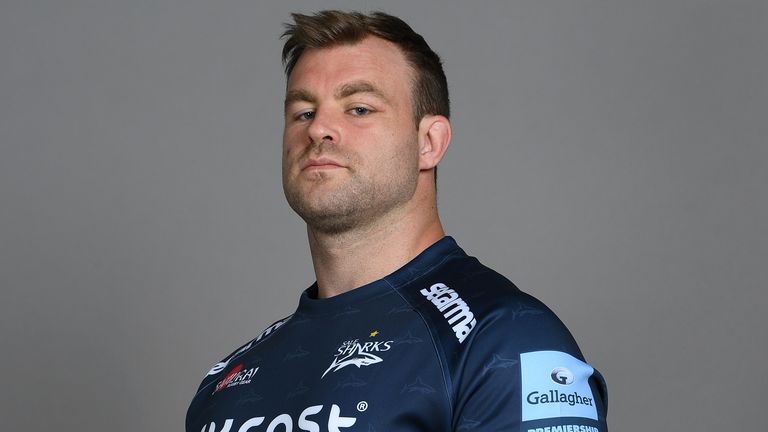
324 126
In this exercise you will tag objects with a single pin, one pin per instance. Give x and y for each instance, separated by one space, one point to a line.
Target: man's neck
355 258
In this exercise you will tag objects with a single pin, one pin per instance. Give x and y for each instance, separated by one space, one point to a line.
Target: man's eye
308 115
360 111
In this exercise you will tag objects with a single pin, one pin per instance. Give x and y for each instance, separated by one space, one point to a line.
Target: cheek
290 156
406 145
290 140
402 155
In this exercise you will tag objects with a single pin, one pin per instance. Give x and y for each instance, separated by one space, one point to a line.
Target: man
402 330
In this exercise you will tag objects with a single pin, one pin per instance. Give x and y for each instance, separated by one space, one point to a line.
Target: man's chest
378 372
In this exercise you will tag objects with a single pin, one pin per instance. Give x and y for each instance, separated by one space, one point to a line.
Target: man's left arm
523 371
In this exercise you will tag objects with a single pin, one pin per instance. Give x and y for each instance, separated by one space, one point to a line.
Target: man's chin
329 224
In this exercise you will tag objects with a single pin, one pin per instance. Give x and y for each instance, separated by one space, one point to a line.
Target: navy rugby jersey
442 344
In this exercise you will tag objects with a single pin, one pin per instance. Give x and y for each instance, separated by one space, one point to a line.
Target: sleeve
521 370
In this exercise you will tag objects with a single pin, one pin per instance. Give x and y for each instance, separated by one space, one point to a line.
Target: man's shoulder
462 279
243 349
466 303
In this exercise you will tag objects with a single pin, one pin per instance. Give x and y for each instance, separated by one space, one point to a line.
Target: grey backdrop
609 157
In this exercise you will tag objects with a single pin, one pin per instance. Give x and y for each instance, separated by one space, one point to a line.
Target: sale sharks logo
353 352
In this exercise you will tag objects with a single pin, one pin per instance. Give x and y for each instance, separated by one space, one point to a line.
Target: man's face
350 147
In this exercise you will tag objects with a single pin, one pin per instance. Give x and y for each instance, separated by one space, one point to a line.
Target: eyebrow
355 87
299 95
345 91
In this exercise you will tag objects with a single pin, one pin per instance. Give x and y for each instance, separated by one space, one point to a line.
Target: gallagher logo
562 376
237 376
353 352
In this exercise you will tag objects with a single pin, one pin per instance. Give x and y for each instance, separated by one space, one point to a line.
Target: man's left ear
434 138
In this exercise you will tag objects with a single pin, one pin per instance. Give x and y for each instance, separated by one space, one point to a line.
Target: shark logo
468 424
349 310
499 362
301 389
400 309
350 382
300 352
418 386
409 339
523 311
356 357
250 397
354 353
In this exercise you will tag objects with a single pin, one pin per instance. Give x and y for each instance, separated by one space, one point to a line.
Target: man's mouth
320 164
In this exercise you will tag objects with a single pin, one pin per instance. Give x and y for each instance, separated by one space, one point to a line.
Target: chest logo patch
237 376
355 353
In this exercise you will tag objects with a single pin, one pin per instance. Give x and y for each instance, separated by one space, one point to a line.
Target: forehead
372 59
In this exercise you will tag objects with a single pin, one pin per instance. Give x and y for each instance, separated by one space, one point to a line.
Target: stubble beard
356 202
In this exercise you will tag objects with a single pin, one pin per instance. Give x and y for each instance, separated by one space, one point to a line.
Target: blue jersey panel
442 344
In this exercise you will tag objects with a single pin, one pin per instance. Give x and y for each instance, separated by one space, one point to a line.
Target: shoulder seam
447 383
248 346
